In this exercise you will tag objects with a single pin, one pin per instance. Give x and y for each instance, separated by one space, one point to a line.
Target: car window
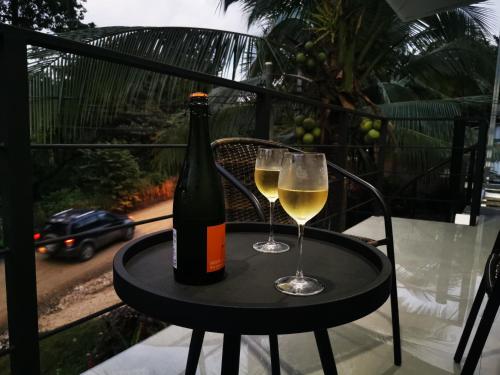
106 217
84 224
57 228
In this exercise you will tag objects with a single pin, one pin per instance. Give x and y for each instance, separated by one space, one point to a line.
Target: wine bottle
199 212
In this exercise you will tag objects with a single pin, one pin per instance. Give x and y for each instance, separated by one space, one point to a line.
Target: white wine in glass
267 170
267 182
303 191
303 205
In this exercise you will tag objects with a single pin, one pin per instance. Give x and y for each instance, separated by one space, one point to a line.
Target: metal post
338 192
268 74
381 153
16 172
457 153
263 116
494 113
477 190
470 176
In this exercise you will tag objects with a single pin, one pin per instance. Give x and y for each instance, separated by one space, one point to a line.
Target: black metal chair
235 159
491 286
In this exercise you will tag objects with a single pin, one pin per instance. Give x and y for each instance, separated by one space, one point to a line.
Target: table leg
230 354
275 355
194 351
325 352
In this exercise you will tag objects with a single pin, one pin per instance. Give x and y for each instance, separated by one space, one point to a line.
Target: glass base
271 247
305 286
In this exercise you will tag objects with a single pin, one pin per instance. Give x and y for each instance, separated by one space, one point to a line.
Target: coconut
308 138
309 123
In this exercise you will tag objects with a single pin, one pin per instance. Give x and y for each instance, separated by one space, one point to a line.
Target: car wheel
129 234
87 251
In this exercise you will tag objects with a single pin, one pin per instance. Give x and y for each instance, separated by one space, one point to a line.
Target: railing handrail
430 170
437 119
102 230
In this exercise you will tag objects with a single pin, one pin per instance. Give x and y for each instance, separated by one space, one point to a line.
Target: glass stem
299 274
271 232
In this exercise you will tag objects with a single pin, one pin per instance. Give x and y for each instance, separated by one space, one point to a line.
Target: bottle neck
199 139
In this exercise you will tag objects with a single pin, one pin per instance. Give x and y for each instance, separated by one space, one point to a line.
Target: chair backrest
492 268
237 156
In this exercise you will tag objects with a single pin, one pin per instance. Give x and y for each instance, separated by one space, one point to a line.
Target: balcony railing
16 168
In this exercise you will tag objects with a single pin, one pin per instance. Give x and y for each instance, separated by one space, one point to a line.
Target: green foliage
168 161
411 135
72 351
270 11
226 120
63 199
5 365
75 97
123 328
66 352
110 173
365 43
233 120
96 179
44 14
99 178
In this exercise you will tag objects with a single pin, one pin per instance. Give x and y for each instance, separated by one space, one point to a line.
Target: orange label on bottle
216 247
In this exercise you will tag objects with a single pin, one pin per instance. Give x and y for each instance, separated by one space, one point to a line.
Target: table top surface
356 278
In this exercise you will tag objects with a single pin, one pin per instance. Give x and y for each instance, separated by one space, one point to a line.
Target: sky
197 13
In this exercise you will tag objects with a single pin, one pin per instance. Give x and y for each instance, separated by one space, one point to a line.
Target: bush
111 173
124 327
100 179
150 192
88 344
63 199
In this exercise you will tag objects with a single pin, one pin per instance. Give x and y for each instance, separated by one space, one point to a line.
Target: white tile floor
439 266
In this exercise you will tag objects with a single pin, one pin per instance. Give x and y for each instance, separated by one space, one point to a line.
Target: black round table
356 276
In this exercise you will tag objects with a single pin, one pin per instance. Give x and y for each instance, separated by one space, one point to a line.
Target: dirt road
56 277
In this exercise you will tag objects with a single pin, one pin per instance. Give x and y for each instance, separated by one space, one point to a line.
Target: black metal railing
16 148
460 171
15 159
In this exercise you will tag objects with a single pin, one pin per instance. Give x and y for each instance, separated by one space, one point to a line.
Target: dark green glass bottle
199 212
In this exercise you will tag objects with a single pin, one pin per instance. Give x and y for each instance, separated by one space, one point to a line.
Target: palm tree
344 47
359 54
367 50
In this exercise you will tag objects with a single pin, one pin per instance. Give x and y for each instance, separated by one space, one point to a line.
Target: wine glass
302 190
267 170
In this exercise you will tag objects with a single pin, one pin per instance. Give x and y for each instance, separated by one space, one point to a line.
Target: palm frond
272 12
421 142
234 120
227 119
220 97
167 161
462 58
480 16
73 96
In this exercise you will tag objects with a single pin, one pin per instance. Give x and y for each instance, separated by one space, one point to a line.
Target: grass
101 338
66 352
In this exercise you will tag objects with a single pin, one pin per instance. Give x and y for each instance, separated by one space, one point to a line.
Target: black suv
75 221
